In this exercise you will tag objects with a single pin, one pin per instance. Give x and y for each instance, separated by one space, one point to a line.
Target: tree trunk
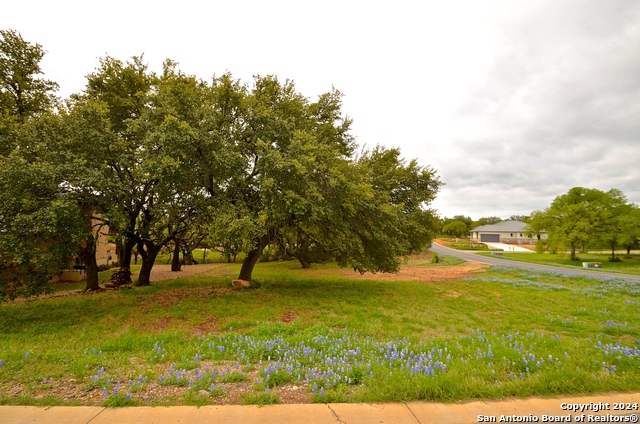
613 253
573 252
88 255
252 258
204 256
249 262
629 250
148 259
125 259
187 257
118 249
305 264
176 265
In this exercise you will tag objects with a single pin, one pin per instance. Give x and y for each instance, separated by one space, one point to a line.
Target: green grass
627 265
470 339
261 398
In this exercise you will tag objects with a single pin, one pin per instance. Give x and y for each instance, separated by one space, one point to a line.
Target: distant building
504 232
104 256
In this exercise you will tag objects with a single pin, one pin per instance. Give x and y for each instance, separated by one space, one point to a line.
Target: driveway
508 247
466 255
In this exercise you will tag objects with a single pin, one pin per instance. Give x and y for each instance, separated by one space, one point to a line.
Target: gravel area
161 272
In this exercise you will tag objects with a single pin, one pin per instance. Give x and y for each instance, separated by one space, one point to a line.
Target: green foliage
167 159
234 377
40 223
118 401
296 183
456 229
22 93
588 216
466 219
40 226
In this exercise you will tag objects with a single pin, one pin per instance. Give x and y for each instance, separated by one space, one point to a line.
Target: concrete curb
528 410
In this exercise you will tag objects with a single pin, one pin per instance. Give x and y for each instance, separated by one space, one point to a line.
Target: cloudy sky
512 102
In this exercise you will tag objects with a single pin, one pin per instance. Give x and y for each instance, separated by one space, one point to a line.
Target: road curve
467 256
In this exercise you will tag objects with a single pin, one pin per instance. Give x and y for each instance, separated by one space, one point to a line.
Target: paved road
466 255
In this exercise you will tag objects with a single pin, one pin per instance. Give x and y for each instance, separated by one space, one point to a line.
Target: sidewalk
336 413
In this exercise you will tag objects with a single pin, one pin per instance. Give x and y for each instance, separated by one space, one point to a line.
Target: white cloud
513 102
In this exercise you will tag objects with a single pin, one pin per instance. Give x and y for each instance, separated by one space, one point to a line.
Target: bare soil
162 272
426 274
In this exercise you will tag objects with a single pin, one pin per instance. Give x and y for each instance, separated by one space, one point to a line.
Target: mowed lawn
324 337
626 264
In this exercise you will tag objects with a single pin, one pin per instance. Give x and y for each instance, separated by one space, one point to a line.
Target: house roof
504 227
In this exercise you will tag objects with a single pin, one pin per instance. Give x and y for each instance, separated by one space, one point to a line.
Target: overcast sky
512 102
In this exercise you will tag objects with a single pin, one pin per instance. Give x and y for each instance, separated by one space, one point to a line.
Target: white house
504 232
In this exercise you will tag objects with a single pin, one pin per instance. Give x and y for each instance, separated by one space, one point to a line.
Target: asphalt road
467 256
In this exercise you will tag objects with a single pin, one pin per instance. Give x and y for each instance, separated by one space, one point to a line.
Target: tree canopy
456 229
167 157
23 93
584 215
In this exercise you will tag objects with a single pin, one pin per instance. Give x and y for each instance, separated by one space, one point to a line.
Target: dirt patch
426 274
289 316
208 326
162 272
169 298
161 325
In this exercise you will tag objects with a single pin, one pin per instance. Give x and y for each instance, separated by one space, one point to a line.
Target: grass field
627 265
315 336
